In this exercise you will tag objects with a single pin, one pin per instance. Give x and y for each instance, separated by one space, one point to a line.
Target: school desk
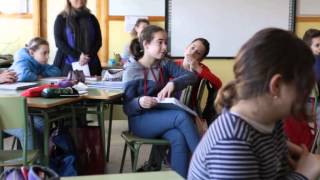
54 109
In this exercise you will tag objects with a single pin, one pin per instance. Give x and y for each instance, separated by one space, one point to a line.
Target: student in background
194 54
273 78
31 62
78 38
148 78
312 38
138 27
8 76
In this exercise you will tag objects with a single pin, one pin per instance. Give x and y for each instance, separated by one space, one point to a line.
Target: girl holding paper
148 78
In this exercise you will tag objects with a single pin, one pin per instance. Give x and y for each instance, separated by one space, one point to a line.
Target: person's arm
205 73
182 77
131 97
98 41
50 71
24 72
8 76
61 42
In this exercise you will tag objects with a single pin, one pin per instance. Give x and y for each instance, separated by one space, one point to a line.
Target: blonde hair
35 43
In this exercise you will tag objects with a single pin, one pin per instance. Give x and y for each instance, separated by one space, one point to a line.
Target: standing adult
78 38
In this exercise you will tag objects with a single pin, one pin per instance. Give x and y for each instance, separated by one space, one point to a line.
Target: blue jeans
38 130
174 125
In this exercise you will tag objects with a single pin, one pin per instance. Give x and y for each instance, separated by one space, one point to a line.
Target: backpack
62 153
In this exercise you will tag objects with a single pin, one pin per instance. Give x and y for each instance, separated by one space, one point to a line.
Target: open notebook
173 103
18 85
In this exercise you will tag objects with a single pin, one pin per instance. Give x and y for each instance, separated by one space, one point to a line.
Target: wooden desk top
159 175
45 103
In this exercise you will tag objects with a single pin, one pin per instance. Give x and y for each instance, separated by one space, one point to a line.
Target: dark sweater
64 48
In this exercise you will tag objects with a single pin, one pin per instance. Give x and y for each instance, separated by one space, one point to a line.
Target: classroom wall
14 34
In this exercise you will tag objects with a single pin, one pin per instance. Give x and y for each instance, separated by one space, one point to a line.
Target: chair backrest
205 101
13 112
185 96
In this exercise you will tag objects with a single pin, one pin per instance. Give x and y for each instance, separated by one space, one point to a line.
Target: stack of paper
106 84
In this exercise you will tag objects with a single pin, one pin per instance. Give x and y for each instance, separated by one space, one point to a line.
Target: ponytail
226 96
135 49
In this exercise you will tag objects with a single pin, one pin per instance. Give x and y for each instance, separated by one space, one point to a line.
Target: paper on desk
84 68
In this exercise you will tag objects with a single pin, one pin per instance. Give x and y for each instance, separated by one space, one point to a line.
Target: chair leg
123 157
109 132
135 156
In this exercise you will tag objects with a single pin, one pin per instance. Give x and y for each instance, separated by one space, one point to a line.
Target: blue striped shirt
233 149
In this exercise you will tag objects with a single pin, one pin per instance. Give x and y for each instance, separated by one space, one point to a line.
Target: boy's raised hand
166 91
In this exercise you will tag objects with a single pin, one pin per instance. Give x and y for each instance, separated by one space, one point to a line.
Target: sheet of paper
84 68
18 85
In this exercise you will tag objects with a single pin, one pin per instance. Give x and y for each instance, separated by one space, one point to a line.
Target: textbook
173 103
18 85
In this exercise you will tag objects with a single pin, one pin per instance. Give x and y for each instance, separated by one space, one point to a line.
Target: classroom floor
116 150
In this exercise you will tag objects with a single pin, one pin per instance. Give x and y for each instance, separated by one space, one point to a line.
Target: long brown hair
147 34
70 11
270 51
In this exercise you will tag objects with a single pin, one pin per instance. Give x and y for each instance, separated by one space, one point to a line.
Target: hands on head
304 162
8 76
194 64
149 102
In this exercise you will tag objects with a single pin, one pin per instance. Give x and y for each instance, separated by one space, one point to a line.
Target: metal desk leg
109 132
101 124
46 138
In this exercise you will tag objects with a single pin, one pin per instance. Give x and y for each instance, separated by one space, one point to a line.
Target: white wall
137 7
308 7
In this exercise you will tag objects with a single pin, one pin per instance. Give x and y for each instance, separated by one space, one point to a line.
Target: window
15 6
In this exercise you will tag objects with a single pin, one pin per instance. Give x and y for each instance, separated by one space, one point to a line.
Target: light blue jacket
28 69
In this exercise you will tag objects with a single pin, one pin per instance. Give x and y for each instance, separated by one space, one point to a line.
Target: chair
13 114
205 101
135 142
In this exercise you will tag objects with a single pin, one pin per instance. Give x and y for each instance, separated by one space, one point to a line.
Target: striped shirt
233 149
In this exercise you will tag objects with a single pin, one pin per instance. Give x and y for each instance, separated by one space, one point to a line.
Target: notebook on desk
18 85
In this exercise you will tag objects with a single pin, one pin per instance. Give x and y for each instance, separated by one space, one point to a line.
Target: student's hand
8 77
166 91
84 59
308 164
147 102
194 63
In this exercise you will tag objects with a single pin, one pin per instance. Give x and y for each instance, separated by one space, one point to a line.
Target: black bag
59 92
209 113
76 76
62 153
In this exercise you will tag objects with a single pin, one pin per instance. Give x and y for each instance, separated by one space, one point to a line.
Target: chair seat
14 158
131 138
